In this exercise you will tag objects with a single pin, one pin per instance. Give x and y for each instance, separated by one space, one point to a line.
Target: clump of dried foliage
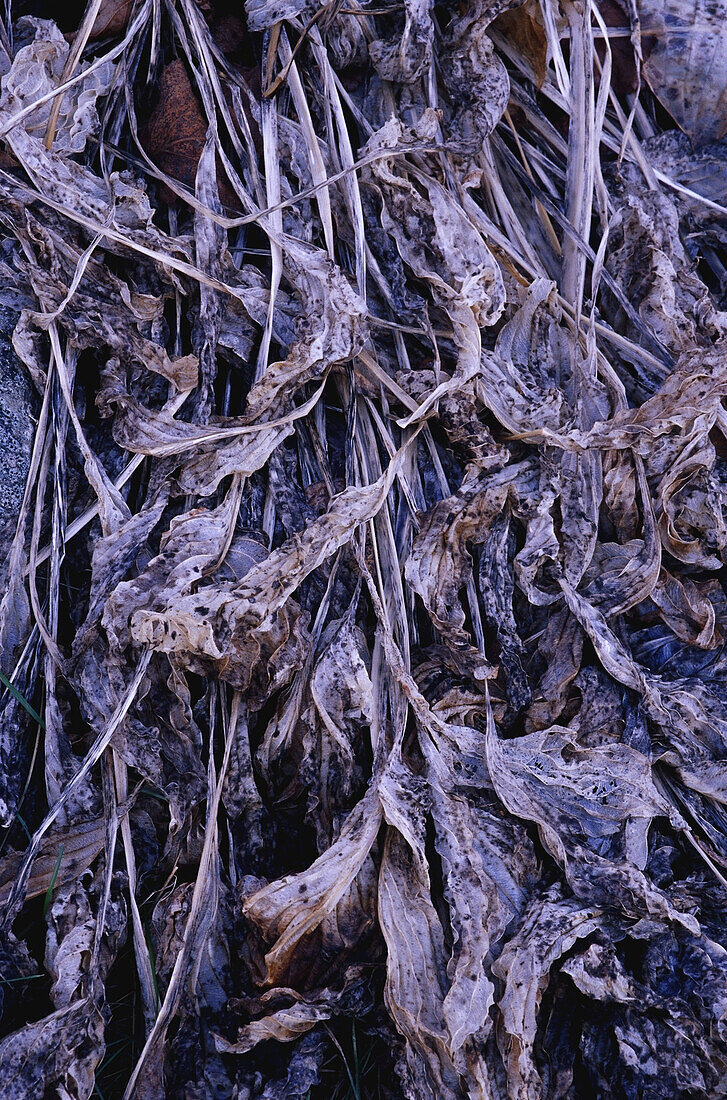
363 636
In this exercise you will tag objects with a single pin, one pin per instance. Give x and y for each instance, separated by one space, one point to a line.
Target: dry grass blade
79 45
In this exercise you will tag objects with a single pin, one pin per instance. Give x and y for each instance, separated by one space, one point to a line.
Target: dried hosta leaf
593 808
576 795
287 1016
77 846
701 171
163 606
341 708
497 588
598 973
334 330
474 75
36 70
561 648
162 740
438 564
667 293
158 433
60 1052
283 1025
471 840
441 246
416 968
72 930
518 383
404 60
168 925
688 610
262 13
104 308
294 906
250 633
681 45
550 928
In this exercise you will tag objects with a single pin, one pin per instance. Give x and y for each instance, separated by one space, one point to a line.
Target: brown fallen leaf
523 28
176 131
64 855
112 18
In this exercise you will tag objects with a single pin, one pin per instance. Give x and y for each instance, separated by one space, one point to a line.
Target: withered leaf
551 926
77 844
61 1051
523 28
176 130
112 17
681 44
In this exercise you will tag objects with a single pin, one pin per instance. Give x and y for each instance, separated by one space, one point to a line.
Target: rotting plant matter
363 633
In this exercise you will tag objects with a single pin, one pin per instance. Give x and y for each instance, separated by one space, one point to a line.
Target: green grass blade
51 885
19 698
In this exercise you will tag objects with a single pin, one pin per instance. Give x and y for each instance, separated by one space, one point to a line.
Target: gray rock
17 429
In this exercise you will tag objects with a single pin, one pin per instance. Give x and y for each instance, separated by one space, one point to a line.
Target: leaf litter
363 632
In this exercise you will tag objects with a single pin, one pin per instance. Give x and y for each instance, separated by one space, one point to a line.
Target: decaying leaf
552 925
437 566
64 856
523 28
176 131
681 44
61 1052
112 17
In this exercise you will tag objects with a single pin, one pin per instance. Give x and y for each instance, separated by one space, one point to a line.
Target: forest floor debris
363 625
